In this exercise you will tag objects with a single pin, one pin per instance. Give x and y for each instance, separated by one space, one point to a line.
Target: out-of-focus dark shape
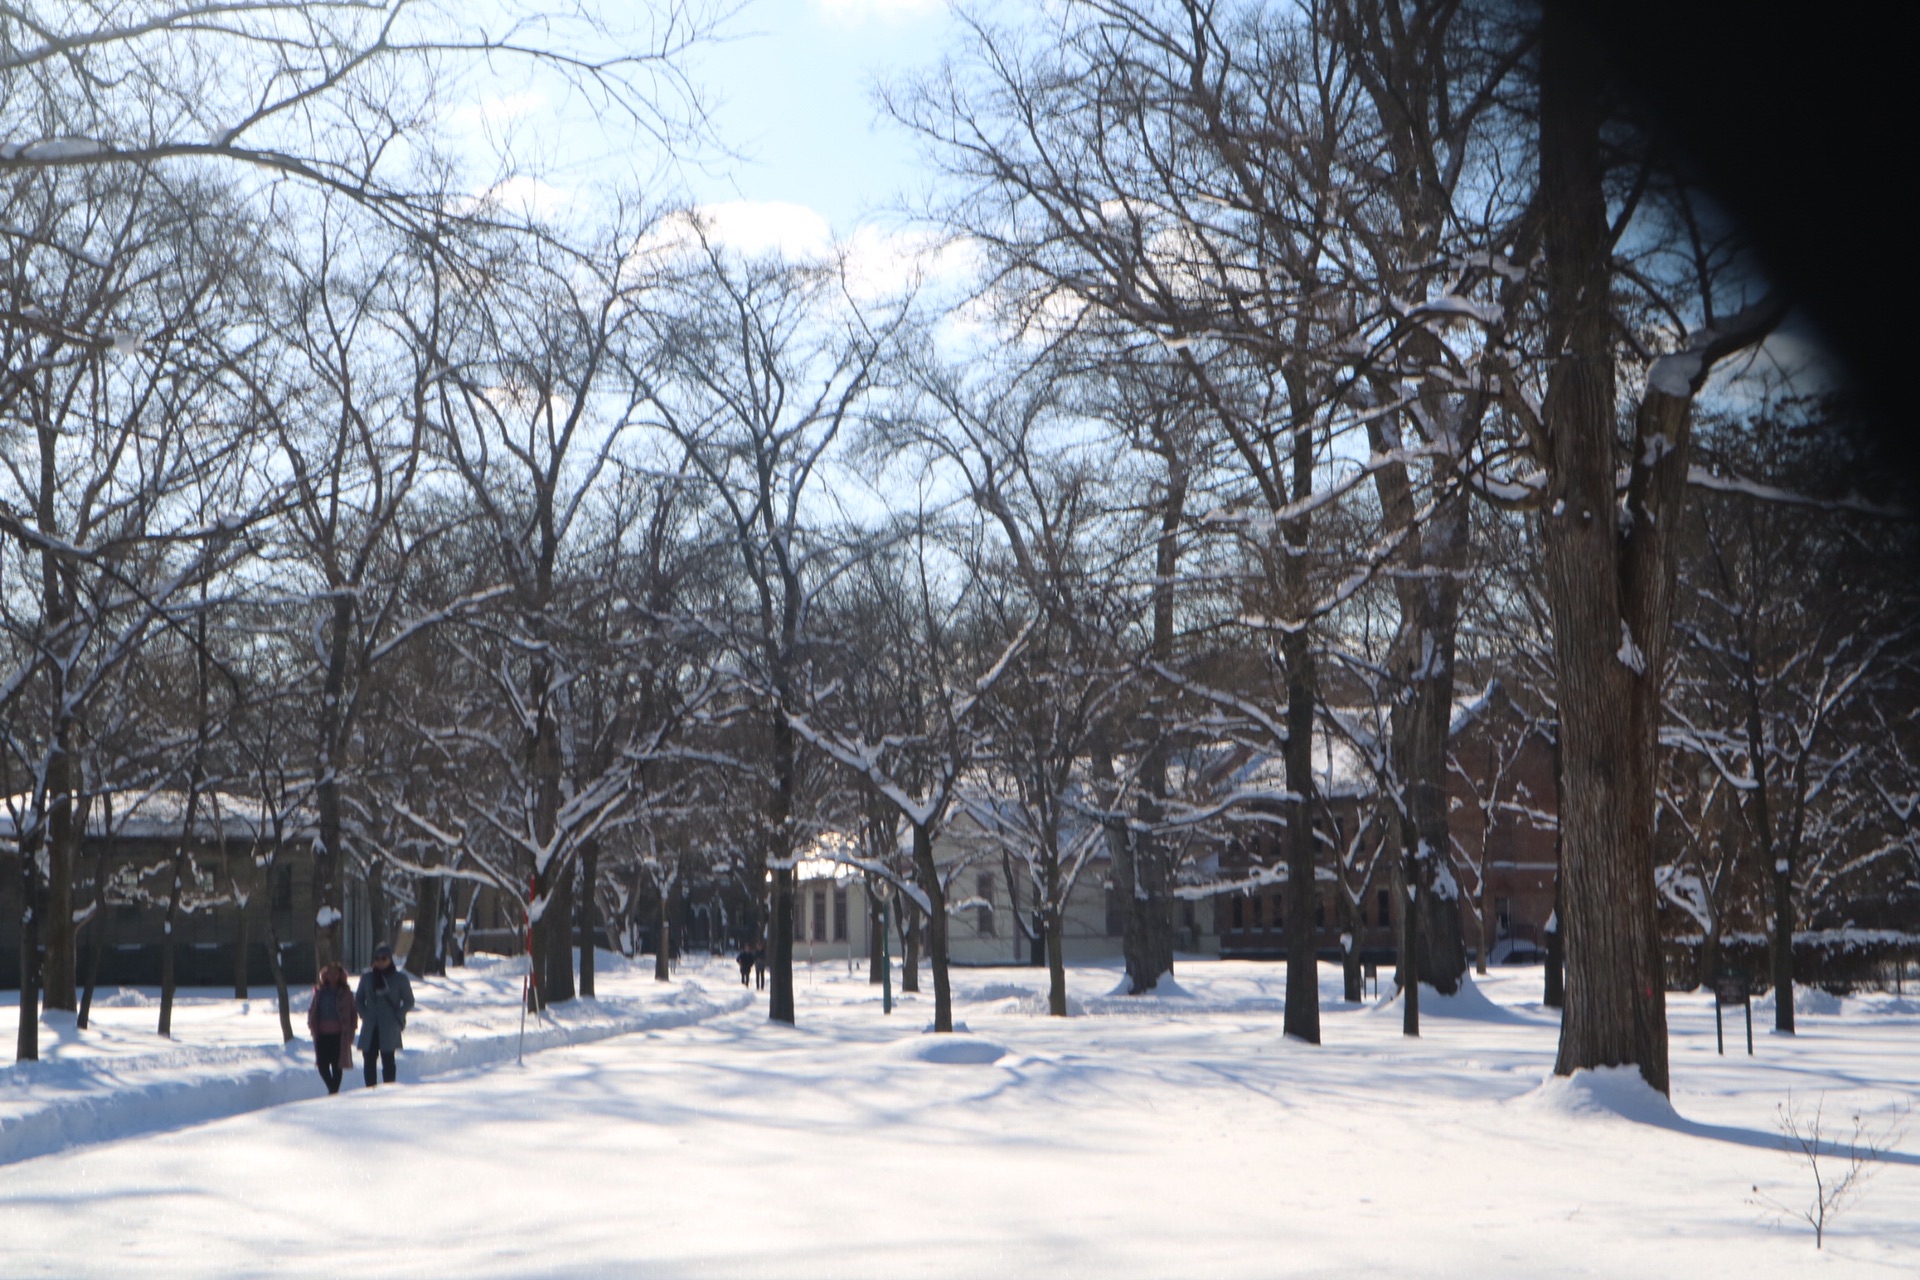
1796 118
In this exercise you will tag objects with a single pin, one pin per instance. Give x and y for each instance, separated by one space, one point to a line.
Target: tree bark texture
62 846
786 764
928 874
33 910
663 935
1352 979
1056 963
557 984
1302 1017
780 948
909 947
1607 602
428 956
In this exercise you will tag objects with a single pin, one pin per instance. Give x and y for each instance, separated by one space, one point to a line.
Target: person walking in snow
746 959
384 999
331 1018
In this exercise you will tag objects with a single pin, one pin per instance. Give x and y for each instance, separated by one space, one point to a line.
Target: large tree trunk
557 981
1782 948
1352 923
1149 921
786 762
909 946
427 958
62 845
780 1004
33 910
1056 963
54 923
929 876
1302 1017
1149 938
1609 582
663 934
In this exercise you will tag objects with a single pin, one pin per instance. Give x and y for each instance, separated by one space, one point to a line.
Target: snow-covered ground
1176 1136
226 1056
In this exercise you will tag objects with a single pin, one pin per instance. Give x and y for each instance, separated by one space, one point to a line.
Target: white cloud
757 227
491 113
879 262
528 196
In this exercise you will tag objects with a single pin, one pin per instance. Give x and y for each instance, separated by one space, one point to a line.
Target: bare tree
1789 633
923 686
134 483
340 96
530 415
756 370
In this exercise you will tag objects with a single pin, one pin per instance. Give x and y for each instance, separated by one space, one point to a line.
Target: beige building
832 917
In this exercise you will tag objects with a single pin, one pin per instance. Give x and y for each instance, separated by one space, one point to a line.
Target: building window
283 888
819 930
1386 908
1239 912
1503 917
983 914
839 913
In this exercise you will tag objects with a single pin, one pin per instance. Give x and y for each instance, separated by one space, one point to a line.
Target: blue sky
795 90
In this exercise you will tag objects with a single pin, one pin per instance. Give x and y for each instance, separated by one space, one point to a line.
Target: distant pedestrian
745 960
760 967
331 1018
384 999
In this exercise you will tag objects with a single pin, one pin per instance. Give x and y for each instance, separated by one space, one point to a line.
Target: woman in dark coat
385 998
331 1018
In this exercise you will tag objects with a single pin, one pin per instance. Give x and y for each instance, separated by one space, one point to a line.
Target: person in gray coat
384 999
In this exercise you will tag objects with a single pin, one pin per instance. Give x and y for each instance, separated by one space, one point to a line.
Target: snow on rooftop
150 815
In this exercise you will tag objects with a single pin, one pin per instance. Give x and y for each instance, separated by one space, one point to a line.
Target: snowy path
226 1056
1186 1140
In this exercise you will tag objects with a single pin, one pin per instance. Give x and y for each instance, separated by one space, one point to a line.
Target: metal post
1749 1003
1719 1035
